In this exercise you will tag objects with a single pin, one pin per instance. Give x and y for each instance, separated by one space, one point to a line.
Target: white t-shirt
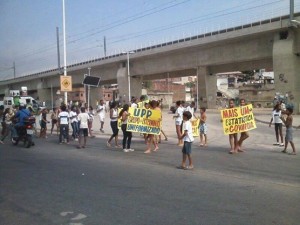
75 118
63 118
191 110
179 111
114 115
102 112
134 105
83 118
187 126
276 116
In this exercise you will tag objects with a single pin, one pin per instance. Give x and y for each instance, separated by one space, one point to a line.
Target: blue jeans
75 129
127 135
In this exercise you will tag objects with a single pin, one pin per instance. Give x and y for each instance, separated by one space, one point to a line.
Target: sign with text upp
143 120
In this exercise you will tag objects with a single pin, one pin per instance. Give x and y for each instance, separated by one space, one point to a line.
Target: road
61 185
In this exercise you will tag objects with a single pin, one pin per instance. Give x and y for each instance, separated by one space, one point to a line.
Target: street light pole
65 50
89 88
128 74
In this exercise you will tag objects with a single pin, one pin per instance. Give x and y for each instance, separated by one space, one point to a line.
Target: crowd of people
81 120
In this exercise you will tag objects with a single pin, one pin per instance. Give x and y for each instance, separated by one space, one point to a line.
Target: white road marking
80 216
65 213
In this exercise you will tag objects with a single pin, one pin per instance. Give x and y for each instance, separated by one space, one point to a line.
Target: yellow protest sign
144 121
65 83
195 127
238 119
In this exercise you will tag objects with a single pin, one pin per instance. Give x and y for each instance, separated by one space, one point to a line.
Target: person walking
83 118
63 118
203 127
74 122
113 113
127 135
244 135
289 130
178 121
276 114
232 137
101 113
6 124
151 138
90 121
43 131
188 139
54 121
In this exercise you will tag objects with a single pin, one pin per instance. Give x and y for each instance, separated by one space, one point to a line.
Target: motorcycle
25 133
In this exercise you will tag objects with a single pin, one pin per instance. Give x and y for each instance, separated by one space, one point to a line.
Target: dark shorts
278 126
84 132
43 124
187 148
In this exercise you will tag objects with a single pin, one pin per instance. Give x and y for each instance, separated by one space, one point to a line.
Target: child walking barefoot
289 130
232 137
188 139
203 127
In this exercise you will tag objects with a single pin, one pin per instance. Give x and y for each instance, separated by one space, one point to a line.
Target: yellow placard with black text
238 119
195 127
143 120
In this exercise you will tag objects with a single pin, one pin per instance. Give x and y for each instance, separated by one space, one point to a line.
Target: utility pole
58 52
65 50
14 67
104 44
291 10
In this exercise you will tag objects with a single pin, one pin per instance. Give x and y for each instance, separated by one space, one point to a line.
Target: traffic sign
65 83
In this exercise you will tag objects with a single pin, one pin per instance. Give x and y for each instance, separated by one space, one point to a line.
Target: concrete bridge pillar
207 88
135 85
286 65
44 94
96 95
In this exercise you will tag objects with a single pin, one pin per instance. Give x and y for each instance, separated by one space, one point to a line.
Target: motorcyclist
20 117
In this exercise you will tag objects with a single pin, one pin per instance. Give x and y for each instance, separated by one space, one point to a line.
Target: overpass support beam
286 65
96 94
135 85
207 88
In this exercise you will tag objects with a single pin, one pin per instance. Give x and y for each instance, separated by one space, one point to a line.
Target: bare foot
147 151
156 148
232 151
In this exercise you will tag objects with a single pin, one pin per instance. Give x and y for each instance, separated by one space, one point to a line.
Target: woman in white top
178 121
276 114
114 124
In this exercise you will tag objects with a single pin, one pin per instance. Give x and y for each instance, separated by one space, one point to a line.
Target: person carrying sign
232 137
244 135
151 138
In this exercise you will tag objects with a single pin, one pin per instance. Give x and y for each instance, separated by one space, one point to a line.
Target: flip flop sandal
180 167
189 168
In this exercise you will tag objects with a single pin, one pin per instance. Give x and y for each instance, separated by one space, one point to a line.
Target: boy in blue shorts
188 139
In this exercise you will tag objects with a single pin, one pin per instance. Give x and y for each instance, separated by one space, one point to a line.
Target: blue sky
28 27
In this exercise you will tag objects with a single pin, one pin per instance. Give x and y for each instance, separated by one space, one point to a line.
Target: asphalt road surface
61 185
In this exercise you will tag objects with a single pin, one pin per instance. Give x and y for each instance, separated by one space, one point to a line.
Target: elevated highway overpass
272 43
